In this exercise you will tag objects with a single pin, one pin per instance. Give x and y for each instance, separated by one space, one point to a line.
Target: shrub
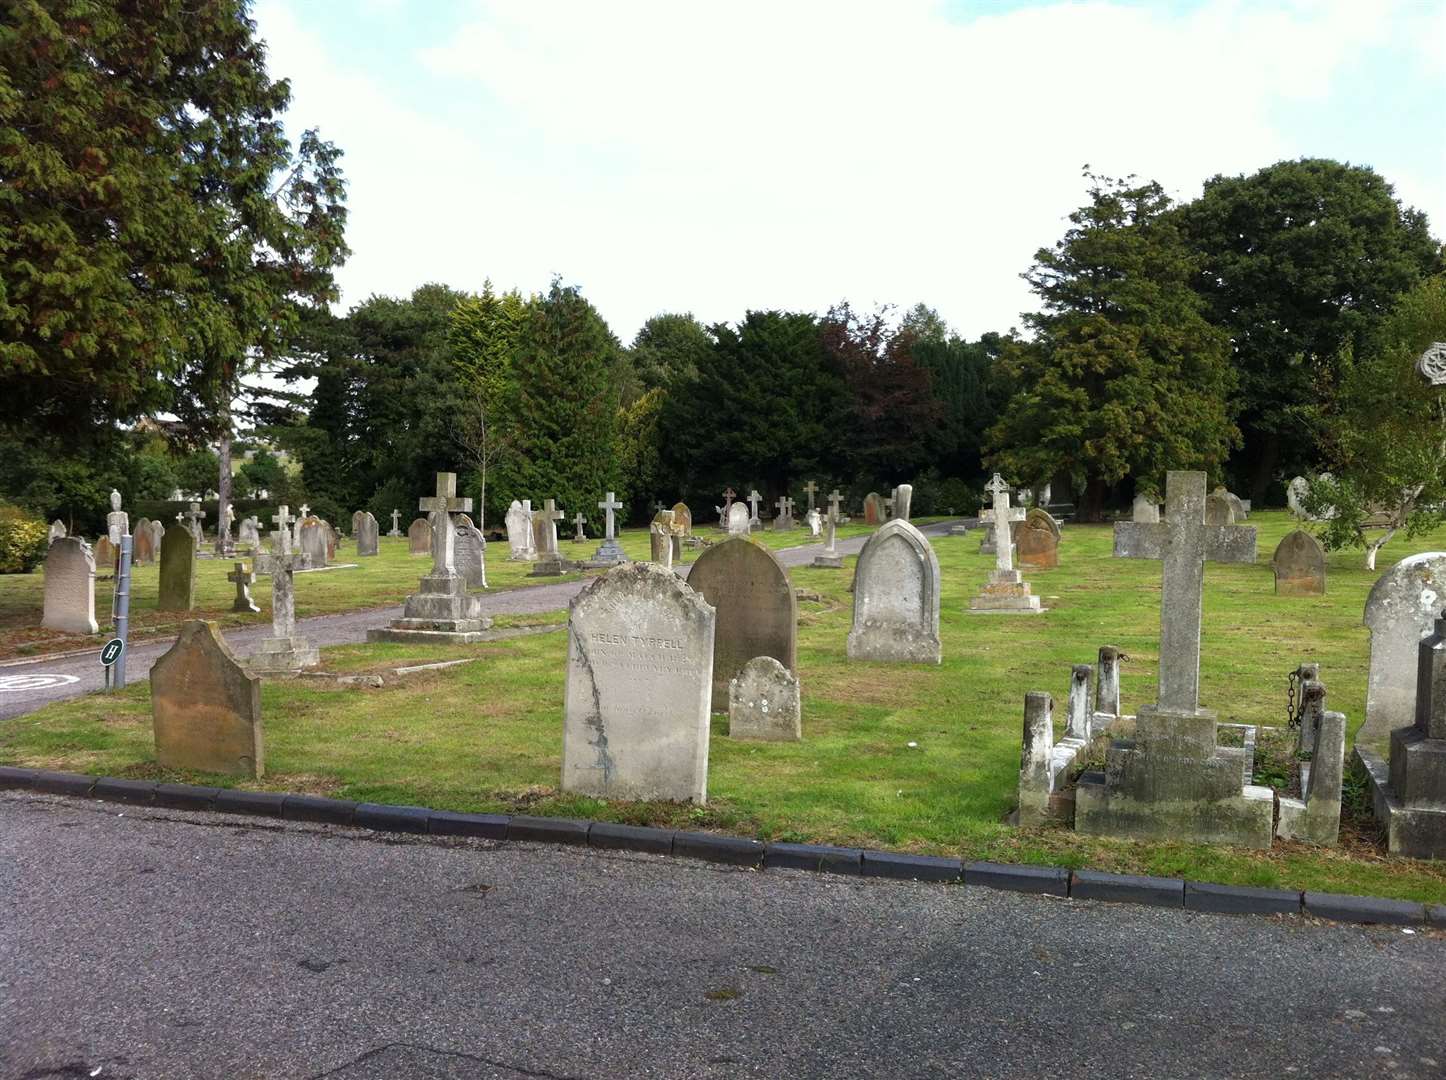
24 539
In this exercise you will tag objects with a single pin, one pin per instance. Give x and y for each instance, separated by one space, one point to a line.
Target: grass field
374 582
487 735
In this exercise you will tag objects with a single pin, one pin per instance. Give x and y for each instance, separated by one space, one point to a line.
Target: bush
24 540
955 496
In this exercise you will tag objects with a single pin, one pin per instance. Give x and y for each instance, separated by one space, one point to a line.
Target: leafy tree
196 472
1300 259
639 469
262 473
1124 377
923 324
1385 434
669 348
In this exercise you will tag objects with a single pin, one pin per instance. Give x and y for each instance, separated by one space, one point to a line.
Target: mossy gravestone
206 707
1299 563
639 673
757 611
178 570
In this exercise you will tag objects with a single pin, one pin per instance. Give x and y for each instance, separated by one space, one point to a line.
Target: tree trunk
1376 545
1264 467
223 488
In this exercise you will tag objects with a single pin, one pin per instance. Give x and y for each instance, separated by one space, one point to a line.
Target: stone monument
550 562
178 570
757 612
419 537
1299 563
69 604
206 707
896 598
1400 610
609 552
367 533
244 578
830 559
1036 541
1006 590
763 702
285 651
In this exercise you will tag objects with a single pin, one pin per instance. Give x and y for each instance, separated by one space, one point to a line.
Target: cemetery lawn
904 757
378 581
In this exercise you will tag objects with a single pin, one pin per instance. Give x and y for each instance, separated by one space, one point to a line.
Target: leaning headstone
178 570
1173 781
521 543
763 702
639 678
206 707
471 554
1006 590
57 530
903 501
1400 611
69 587
285 651
367 533
1036 541
1299 563
896 598
738 524
419 537
315 540
244 578
1146 510
1218 510
756 606
874 512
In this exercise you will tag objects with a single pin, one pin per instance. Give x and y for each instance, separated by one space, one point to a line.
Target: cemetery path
155 943
26 685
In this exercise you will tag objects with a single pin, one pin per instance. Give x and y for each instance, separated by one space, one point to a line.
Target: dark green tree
669 348
969 393
1299 260
1124 376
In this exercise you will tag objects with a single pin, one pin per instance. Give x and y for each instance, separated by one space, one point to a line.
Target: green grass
488 735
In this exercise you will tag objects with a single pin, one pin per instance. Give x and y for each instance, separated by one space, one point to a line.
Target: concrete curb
733 850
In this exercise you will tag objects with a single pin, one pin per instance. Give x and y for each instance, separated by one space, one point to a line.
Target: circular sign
110 652
15 683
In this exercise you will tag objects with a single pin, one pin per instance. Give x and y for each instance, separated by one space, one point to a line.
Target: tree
1299 260
669 349
1385 434
924 324
1124 377
969 394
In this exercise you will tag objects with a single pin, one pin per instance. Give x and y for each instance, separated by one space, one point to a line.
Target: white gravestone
896 598
70 587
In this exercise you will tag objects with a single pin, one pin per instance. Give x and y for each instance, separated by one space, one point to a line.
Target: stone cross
608 506
396 528
835 500
659 507
196 517
753 500
301 514
1001 515
438 508
1432 363
281 537
889 506
1185 543
577 524
782 505
244 578
551 515
810 489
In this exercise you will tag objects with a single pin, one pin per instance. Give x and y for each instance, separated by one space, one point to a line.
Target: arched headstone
738 522
896 598
419 537
682 519
315 538
1218 510
470 553
69 587
1299 563
874 512
1036 540
757 610
1402 609
367 533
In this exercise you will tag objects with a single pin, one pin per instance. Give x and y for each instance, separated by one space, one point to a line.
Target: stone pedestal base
1412 829
283 656
1006 592
609 553
550 566
441 613
902 644
1171 782
828 562
958 530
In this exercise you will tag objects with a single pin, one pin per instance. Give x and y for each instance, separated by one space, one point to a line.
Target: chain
1292 717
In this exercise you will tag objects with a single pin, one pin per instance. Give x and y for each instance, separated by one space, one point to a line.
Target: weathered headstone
1218 510
763 702
158 534
609 552
248 534
106 555
1295 493
419 537
682 520
355 521
396 529
738 524
874 512
69 604
1037 772
315 541
206 707
143 547
810 489
470 553
639 678
550 562
57 530
903 501
783 520
896 598
1299 563
178 570
1173 780
578 533
1237 505
1400 611
244 578
195 515
1006 590
723 511
441 611
1036 541
1146 510
367 533
829 558
521 542
660 538
757 610
815 523
285 651
1316 816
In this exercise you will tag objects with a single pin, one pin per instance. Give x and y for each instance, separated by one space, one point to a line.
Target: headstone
815 523
660 538
1036 541
441 611
395 530
419 537
896 598
333 538
723 511
356 521
57 530
609 552
196 516
1237 504
738 524
639 677
285 651
753 500
1107 687
244 578
682 520
810 489
248 535
158 534
206 707
550 562
178 570
521 542
1037 774
143 548
106 555
1218 510
783 520
315 541
1316 816
1006 590
829 558
578 521
367 533
471 554
1146 511
903 501
1295 493
763 702
69 604
874 512
1400 611
757 610
1172 780
1300 565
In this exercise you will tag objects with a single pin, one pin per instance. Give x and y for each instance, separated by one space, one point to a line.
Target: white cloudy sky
712 158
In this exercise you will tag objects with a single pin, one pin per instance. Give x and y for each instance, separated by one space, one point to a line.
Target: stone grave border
734 850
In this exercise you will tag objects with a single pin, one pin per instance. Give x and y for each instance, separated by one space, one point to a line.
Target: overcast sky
720 157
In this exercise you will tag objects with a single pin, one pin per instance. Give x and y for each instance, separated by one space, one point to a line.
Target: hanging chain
1292 717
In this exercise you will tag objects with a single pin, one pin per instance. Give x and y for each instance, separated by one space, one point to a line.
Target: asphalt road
26 685
141 943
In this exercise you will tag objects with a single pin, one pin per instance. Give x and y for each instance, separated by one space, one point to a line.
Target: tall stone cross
396 528
728 496
608 506
810 489
551 515
244 578
196 517
439 508
753 500
303 512
577 524
281 536
1000 516
1185 543
280 564
830 546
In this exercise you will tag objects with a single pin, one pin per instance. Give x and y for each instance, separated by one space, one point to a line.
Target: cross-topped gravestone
396 528
285 650
830 559
244 578
609 551
609 507
728 496
1000 515
810 489
1185 543
889 506
782 505
438 506
753 500
196 516
549 562
281 535
659 506
1005 591
577 523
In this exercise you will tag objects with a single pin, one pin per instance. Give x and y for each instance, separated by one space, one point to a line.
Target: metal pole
123 608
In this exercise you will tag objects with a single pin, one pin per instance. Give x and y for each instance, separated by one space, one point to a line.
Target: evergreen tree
669 348
969 394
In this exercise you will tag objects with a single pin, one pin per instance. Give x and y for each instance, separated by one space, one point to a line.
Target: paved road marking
12 683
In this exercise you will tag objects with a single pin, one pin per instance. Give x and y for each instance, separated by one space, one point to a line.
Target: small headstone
1400 611
248 534
815 523
874 512
903 501
1299 563
143 548
178 570
1218 510
419 537
1146 510
195 515
106 555
896 598
1316 816
315 541
738 520
521 542
1036 541
783 520
639 673
1295 493
756 606
471 554
578 533
355 521
753 500
367 533
158 533
1237 504
206 707
763 702
682 520
660 538
244 579
69 604
829 558
723 511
